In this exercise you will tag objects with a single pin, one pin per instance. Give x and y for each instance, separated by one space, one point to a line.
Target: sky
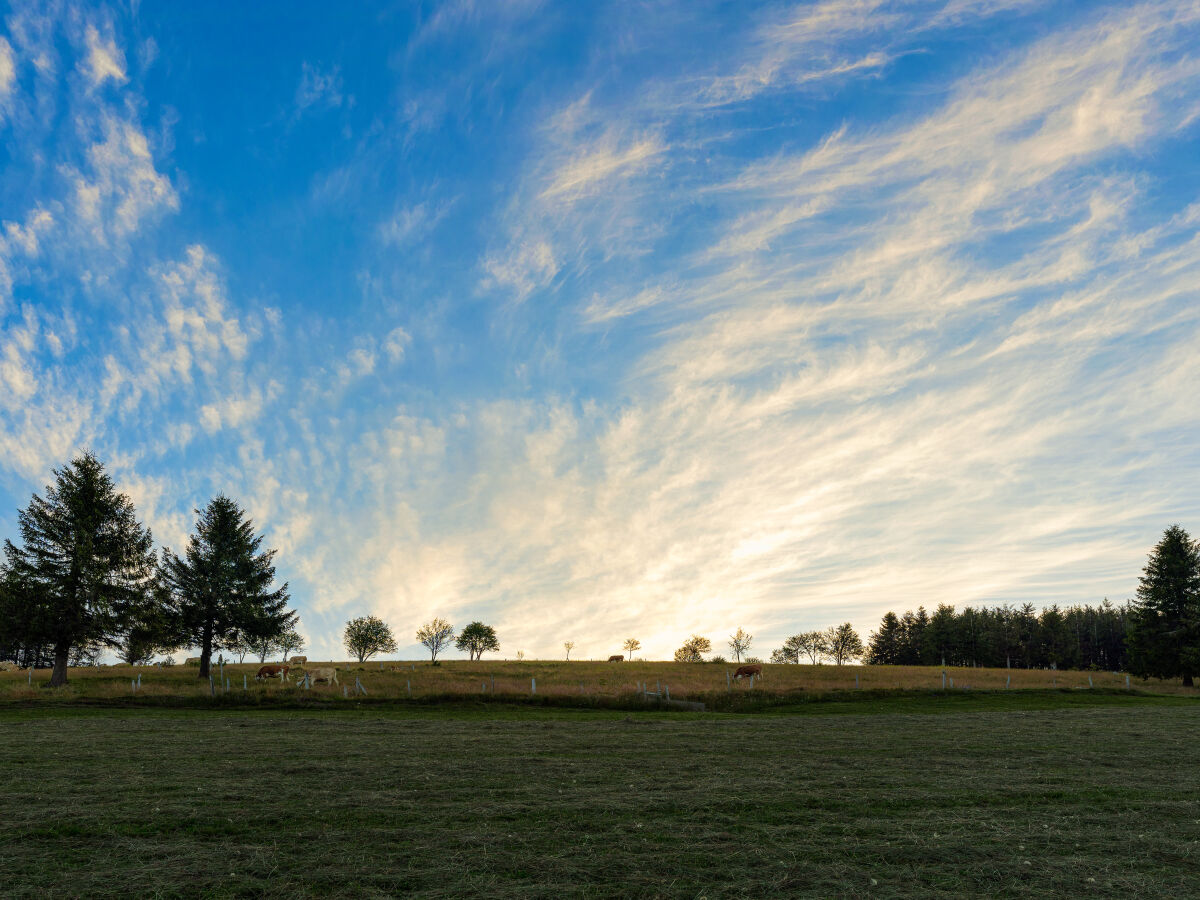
607 320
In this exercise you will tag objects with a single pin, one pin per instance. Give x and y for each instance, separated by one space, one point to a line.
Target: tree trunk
205 656
62 653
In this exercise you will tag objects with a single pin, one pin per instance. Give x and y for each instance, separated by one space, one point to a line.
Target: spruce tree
1164 636
885 645
221 589
84 562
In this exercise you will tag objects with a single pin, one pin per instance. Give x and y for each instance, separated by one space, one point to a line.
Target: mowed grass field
706 682
1095 796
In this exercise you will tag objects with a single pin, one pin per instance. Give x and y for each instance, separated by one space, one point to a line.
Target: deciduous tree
366 636
739 643
568 646
631 646
693 649
843 643
477 639
436 636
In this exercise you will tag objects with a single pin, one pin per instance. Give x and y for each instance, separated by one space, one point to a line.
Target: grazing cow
192 661
8 666
748 671
298 660
280 672
328 674
617 658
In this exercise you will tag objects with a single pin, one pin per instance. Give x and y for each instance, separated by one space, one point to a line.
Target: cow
280 672
298 660
748 672
328 674
8 666
617 658
192 661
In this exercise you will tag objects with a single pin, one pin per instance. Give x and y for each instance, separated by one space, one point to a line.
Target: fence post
856 681
533 685
409 683
139 681
951 684
751 682
244 686
1090 681
345 692
1007 682
668 689
31 676
1126 679
132 686
943 679
483 688
212 689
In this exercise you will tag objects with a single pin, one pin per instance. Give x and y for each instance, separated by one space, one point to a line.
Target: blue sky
603 320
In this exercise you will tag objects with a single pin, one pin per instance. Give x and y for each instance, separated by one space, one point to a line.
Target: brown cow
280 672
748 672
617 658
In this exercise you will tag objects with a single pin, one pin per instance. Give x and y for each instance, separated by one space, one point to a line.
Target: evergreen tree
83 563
1164 638
222 590
885 644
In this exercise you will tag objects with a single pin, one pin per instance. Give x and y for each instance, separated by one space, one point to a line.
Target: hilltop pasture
599 682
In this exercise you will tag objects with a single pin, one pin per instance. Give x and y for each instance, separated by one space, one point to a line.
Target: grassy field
584 680
1096 795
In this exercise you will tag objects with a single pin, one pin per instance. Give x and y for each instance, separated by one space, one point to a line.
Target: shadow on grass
757 702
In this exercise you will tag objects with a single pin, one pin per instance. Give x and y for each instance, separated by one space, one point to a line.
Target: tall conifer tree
221 589
83 563
1164 636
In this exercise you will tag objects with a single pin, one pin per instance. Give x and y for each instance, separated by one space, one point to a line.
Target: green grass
1094 794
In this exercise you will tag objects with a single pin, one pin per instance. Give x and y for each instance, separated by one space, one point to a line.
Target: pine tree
885 644
221 590
84 561
1164 639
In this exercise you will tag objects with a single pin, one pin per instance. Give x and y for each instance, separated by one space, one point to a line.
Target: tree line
1079 637
1156 635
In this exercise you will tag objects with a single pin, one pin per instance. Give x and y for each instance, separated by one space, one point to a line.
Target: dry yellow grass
395 679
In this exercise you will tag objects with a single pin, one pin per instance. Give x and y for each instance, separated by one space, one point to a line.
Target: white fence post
668 689
1126 679
409 683
533 685
1090 681
345 692
1007 682
856 681
245 687
943 679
